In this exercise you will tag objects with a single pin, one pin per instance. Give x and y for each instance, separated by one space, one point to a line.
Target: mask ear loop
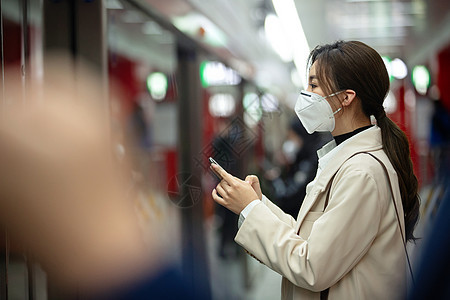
334 94
339 109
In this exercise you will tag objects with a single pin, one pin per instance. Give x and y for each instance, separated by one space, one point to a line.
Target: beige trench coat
354 247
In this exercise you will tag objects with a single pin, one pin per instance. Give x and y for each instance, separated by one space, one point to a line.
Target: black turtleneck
342 137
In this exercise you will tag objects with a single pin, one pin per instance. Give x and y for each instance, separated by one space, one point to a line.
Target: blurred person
440 139
298 167
349 239
432 276
432 273
65 198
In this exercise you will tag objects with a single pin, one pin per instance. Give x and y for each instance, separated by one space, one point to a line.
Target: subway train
181 81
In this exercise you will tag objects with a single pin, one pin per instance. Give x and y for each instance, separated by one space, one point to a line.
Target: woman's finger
224 183
252 179
254 182
221 191
217 198
224 174
226 186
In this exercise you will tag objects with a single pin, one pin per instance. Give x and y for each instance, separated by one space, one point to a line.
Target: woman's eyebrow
312 77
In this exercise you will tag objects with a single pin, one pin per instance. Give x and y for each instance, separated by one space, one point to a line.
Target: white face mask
315 112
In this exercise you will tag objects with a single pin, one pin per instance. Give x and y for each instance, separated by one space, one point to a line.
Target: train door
155 70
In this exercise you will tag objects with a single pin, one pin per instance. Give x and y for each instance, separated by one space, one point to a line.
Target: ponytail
396 146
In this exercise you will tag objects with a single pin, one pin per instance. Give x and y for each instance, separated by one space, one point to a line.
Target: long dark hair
356 66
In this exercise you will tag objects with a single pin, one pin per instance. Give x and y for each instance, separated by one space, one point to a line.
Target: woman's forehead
313 71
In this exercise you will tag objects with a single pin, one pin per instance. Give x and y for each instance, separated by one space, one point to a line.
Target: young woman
348 239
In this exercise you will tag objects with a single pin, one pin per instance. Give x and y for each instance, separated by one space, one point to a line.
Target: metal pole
195 265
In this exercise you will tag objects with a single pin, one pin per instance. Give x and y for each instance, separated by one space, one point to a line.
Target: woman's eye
313 86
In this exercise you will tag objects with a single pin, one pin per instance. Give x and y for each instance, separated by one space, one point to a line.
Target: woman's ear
350 95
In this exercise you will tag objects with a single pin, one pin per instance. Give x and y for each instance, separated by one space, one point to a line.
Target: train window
141 68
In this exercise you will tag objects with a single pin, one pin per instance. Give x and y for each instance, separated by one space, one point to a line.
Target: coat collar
366 141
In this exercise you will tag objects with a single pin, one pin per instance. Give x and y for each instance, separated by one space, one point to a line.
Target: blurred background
194 79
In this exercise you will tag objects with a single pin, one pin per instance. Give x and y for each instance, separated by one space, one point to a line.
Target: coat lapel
368 140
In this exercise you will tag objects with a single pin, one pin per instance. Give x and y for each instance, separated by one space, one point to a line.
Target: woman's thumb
252 179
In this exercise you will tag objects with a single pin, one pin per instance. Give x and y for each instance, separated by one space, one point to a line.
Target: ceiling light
215 73
287 12
157 84
398 68
421 79
222 105
277 38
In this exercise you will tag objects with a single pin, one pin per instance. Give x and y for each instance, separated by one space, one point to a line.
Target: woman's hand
254 182
235 194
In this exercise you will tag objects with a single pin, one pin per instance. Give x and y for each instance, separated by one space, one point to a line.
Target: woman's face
313 82
315 86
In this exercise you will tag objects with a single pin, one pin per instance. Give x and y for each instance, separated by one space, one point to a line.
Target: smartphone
212 161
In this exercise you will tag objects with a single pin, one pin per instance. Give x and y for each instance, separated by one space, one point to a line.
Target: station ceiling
413 30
